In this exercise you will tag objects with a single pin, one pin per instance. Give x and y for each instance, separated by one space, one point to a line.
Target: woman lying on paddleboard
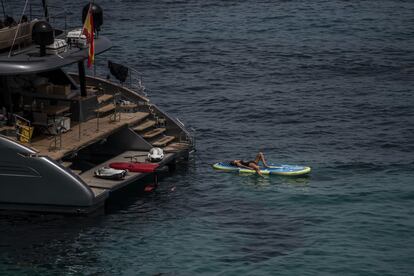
253 164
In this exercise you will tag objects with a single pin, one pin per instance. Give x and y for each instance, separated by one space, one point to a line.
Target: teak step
66 164
154 132
104 98
163 141
91 89
128 106
145 125
77 171
105 108
179 145
175 147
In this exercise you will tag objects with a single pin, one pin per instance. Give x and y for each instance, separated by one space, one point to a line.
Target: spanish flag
88 31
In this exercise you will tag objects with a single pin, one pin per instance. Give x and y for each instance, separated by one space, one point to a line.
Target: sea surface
324 83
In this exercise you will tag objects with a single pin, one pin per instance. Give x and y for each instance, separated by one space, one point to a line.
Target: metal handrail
190 133
117 114
38 13
193 136
57 125
135 81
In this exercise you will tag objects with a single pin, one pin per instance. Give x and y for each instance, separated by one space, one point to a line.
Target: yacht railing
56 144
135 81
55 18
193 137
190 134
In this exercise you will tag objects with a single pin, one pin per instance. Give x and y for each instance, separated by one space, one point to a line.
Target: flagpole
93 31
89 31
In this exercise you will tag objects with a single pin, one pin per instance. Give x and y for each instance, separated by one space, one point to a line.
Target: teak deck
94 182
89 134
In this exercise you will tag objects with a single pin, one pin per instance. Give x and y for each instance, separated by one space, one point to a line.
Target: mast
44 3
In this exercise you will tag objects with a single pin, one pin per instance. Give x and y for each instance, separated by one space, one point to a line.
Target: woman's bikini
244 163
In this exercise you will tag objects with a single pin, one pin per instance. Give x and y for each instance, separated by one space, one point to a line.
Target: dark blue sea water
327 84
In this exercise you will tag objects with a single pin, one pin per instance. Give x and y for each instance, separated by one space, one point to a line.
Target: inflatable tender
287 170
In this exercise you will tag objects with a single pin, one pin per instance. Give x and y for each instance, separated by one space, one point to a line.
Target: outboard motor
43 35
155 154
97 15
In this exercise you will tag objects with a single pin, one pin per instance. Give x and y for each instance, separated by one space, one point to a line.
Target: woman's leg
260 157
256 168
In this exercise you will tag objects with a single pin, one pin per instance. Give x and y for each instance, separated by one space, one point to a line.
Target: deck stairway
163 141
176 147
152 128
105 109
154 133
106 105
104 98
145 125
129 107
66 164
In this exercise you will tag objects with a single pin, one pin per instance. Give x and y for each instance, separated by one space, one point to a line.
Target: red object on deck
134 167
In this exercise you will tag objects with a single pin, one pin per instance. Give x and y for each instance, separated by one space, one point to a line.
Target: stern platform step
145 125
76 171
163 141
66 164
176 147
154 132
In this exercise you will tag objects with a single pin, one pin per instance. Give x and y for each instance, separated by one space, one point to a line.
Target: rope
18 26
